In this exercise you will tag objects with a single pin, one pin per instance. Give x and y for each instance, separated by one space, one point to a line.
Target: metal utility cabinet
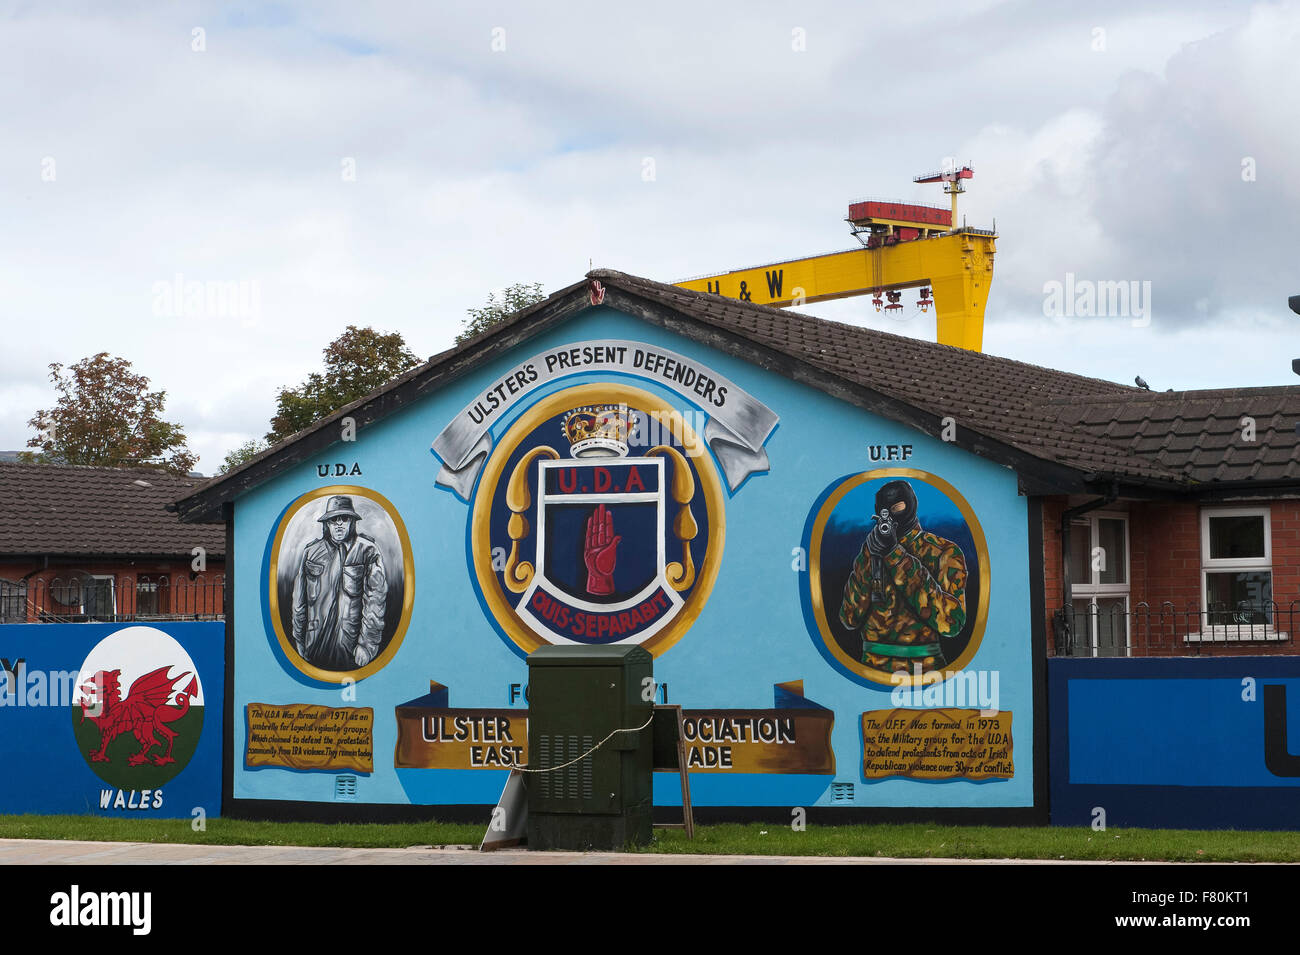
576 697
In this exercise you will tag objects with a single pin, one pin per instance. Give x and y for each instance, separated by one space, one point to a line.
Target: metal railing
1164 630
113 599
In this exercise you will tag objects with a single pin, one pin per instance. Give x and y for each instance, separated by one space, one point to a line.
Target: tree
242 455
512 299
106 416
356 363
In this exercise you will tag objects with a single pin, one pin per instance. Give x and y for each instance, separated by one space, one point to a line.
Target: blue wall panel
1175 743
52 752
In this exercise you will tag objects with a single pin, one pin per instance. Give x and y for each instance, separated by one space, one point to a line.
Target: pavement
68 852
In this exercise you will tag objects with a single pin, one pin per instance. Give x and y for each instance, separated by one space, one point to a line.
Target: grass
240 832
913 841
930 841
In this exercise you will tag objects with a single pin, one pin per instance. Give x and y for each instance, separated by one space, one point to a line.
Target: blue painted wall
751 634
45 771
1171 743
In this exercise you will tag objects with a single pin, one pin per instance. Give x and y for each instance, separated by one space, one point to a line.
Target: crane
903 246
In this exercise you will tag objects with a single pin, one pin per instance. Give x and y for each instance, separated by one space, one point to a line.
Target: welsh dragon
145 711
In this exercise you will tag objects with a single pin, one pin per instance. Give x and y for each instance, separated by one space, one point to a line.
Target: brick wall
177 592
1286 553
1165 565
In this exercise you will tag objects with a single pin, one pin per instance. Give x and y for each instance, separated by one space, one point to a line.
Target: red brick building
1191 547
85 543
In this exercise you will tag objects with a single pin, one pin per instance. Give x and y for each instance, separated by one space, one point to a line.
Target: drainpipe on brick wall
1061 623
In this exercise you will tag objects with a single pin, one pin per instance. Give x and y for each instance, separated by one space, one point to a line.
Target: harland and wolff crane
905 246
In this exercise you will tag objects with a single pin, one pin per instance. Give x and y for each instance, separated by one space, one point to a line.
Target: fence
113 599
1116 631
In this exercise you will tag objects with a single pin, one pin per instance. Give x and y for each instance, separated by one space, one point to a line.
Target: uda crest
599 519
597 510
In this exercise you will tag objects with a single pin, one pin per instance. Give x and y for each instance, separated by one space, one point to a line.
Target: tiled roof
60 510
1203 435
1087 427
996 397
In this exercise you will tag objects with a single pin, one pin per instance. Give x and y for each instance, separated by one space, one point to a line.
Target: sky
317 165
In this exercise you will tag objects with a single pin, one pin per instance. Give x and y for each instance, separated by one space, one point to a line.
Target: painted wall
393 659
1175 743
140 740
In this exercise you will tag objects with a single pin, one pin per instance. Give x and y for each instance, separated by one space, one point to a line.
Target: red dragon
144 712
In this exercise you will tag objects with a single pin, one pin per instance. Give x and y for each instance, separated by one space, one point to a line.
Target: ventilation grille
573 782
345 788
841 792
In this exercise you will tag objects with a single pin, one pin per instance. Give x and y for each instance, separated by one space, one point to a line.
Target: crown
599 430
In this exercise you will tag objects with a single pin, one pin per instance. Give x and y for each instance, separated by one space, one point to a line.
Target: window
100 597
146 597
1237 575
1099 584
13 601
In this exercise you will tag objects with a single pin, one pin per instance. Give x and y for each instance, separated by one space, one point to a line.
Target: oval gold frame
481 546
408 590
814 575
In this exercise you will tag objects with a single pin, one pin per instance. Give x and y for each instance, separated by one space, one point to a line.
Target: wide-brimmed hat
339 506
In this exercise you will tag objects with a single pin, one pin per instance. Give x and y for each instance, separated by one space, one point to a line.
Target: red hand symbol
600 551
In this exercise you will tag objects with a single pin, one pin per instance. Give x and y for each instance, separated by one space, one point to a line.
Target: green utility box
576 697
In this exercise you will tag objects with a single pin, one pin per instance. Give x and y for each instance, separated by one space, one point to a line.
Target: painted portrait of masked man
907 589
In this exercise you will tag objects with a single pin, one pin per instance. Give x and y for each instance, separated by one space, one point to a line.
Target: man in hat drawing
339 593
907 589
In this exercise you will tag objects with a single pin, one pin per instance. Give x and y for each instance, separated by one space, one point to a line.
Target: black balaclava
892 493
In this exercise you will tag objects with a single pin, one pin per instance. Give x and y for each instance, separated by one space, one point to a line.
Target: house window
100 597
1099 584
13 601
146 597
1237 575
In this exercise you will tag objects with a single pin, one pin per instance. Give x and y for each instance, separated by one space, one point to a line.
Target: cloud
476 168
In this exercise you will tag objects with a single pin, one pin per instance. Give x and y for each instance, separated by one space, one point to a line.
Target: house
849 552
91 543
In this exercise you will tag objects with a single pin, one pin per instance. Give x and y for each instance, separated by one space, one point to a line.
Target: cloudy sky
392 164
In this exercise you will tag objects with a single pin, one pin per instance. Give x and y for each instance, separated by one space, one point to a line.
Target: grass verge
916 841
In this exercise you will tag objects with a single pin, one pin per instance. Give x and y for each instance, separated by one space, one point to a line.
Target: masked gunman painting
341 582
899 576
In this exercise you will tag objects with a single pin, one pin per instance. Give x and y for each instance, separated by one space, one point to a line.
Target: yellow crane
904 246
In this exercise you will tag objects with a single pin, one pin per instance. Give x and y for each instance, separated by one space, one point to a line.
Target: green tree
242 455
356 363
512 299
107 416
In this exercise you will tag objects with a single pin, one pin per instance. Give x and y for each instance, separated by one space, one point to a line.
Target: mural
599 517
112 719
341 582
821 624
138 713
898 577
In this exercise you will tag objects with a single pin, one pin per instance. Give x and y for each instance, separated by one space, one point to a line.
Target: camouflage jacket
918 595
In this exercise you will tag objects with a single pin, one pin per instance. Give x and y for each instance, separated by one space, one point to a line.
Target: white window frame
1234 633
1088 523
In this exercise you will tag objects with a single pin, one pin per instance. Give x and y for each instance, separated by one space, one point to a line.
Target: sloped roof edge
636 296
